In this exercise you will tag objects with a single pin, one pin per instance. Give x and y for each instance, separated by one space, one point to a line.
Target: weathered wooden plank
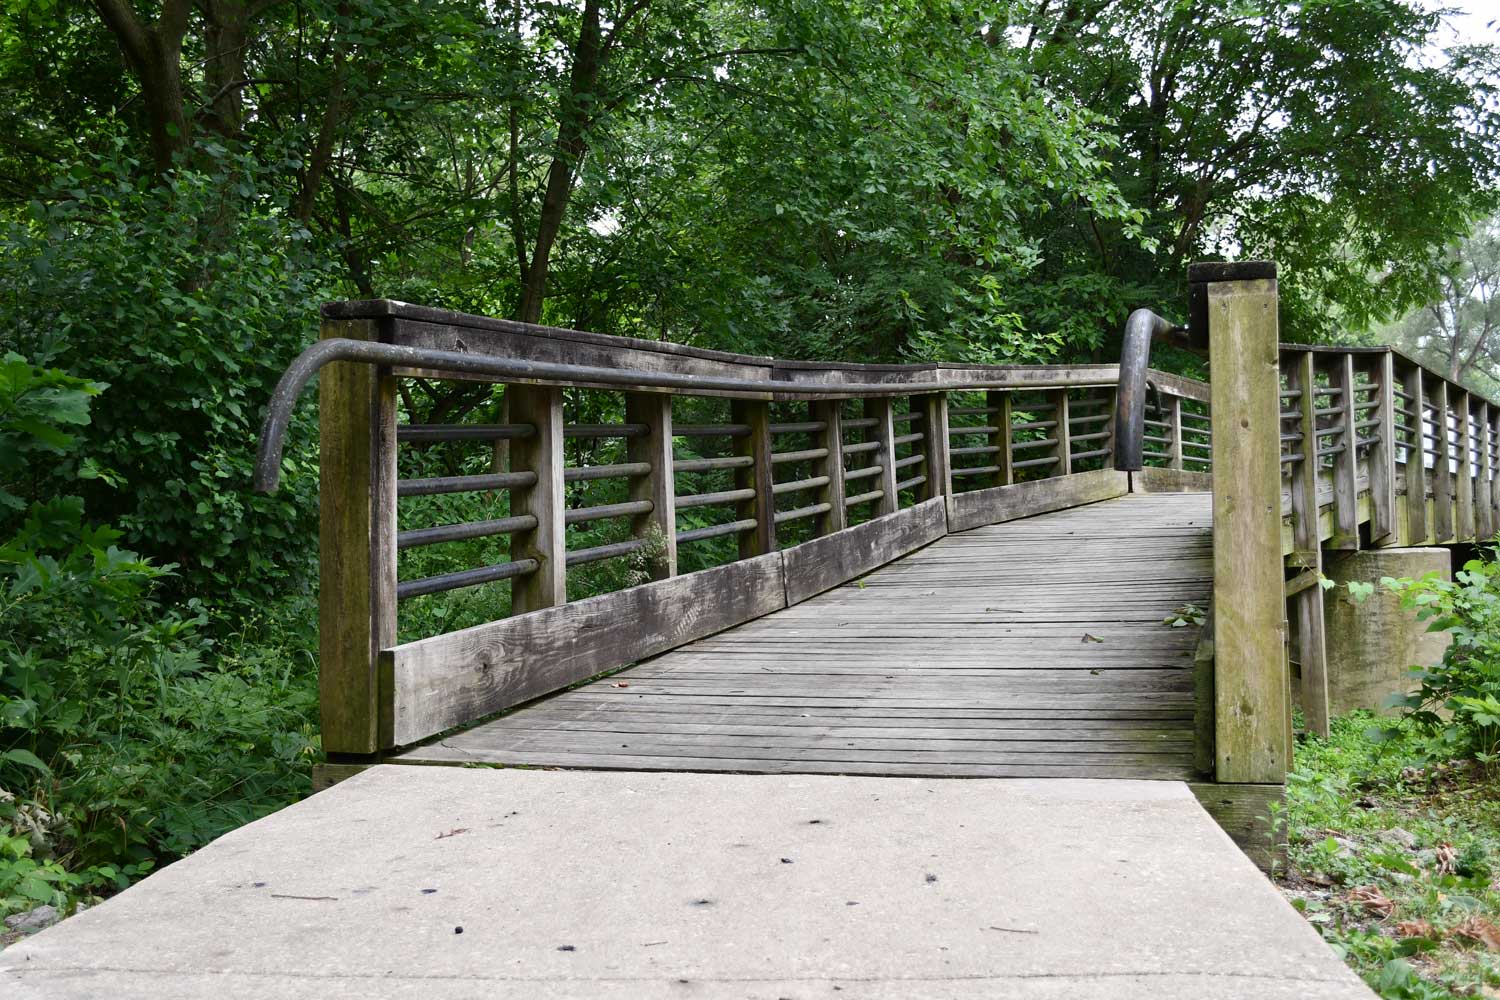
1483 501
357 538
453 679
1001 439
1463 404
1174 432
659 485
934 409
1345 469
1174 480
976 508
1416 466
1064 448
1251 686
330 773
884 433
1305 532
822 563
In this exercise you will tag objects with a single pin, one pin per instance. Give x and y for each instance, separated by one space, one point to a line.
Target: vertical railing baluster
999 400
1311 642
1064 447
761 508
934 407
1483 519
1416 458
884 431
1174 432
1382 454
1345 469
1442 467
830 413
357 538
659 485
1464 517
541 453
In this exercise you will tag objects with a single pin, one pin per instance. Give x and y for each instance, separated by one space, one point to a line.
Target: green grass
1396 861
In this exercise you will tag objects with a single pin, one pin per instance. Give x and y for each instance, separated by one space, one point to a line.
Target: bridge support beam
1252 715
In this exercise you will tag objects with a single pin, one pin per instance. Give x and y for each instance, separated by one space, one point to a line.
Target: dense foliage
183 181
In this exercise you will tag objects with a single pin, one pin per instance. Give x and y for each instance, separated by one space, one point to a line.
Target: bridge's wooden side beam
1252 725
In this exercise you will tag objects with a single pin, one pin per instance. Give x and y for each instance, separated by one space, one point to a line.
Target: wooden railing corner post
357 541
654 410
1251 685
540 406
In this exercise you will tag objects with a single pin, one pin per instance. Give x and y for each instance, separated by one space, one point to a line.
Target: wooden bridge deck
1030 648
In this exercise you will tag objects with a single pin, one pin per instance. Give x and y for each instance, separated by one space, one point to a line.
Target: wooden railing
725 485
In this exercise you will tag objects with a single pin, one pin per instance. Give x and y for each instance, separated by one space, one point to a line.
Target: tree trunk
154 53
572 145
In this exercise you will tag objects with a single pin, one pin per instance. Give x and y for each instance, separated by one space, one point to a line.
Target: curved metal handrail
307 364
1141 328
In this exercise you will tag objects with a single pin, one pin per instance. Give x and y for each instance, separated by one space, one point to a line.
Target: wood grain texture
1251 686
1345 472
1312 647
761 508
453 679
1382 455
1443 465
1031 648
541 453
357 539
824 563
1416 468
884 433
831 438
976 508
1154 480
934 409
1002 438
659 485
1245 812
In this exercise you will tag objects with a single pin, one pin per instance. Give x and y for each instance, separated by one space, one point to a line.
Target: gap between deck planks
973 657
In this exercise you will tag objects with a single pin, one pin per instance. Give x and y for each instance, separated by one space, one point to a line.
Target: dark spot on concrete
703 902
786 861
428 892
814 822
258 885
458 930
931 878
566 947
852 902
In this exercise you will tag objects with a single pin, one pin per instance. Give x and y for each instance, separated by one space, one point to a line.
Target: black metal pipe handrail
1141 328
307 364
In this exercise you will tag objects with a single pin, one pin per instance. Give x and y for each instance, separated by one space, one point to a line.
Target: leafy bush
127 734
187 297
1457 702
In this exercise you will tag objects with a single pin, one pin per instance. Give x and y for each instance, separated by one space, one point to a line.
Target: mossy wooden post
883 432
541 453
1416 460
357 542
658 486
1312 649
1442 467
1251 686
1345 472
1463 408
935 444
761 508
1382 460
829 413
1000 439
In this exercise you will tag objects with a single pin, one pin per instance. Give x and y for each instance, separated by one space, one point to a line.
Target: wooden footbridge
918 570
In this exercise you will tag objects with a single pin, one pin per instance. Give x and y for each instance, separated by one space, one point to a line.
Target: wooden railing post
999 400
1382 371
357 540
1064 448
761 539
1464 406
659 485
1484 499
1416 458
1251 684
1311 642
1174 432
879 409
1345 461
935 442
830 413
541 453
1442 468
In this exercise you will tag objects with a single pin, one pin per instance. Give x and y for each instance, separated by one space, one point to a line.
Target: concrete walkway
433 882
